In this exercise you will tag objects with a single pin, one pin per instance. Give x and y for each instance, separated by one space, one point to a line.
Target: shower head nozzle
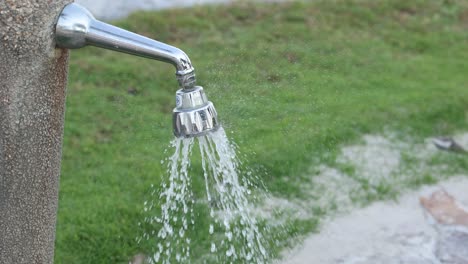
194 115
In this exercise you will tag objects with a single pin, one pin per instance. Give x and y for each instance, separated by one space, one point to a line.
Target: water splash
220 168
235 235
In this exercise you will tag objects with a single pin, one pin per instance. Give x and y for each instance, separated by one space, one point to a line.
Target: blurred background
109 10
332 104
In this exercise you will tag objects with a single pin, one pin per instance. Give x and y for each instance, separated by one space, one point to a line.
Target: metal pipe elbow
76 27
185 73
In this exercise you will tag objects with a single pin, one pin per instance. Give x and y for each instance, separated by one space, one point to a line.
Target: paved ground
390 232
115 9
109 9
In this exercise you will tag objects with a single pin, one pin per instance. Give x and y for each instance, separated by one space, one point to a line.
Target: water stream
235 235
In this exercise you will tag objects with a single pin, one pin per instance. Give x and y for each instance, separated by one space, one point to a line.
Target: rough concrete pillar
33 76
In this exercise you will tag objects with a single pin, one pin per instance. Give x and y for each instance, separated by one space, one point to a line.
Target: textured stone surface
452 246
33 77
401 231
451 222
444 209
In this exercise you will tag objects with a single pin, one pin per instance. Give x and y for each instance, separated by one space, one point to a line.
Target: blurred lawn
291 83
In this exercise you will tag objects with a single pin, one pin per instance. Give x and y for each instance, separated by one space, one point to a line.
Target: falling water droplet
213 248
229 235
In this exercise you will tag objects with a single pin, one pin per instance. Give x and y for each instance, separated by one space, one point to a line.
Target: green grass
291 83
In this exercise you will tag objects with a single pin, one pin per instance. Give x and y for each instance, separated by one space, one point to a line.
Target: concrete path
390 232
115 9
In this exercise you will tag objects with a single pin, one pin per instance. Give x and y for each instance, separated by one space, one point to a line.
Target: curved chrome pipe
193 116
77 27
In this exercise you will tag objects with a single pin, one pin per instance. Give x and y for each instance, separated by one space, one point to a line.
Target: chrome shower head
194 115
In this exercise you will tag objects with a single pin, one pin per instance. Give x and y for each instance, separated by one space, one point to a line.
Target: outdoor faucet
193 116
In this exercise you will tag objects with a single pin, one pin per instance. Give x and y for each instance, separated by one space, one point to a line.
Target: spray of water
234 233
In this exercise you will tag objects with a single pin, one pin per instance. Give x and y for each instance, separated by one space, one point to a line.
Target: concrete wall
33 76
